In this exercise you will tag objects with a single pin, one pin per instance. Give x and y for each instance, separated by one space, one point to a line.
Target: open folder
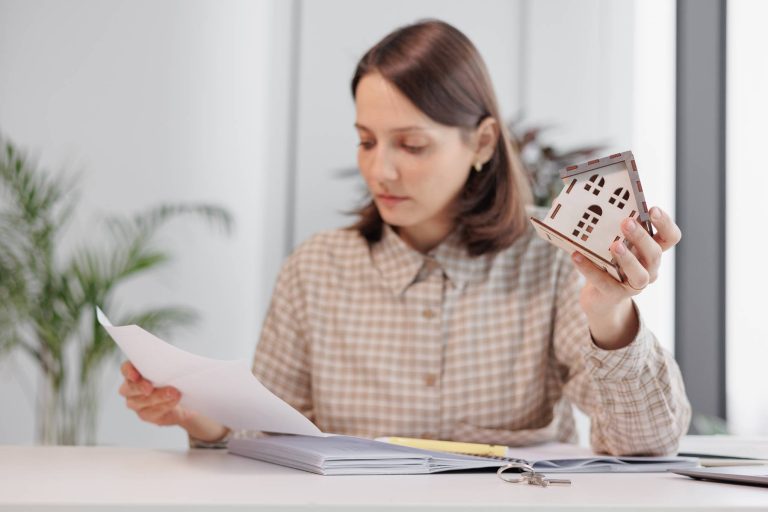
229 393
345 455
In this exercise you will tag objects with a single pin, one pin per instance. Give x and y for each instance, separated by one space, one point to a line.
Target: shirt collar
454 258
399 264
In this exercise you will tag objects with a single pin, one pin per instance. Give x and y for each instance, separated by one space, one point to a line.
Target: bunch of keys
528 476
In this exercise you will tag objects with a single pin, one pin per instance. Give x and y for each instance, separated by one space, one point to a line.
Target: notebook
346 455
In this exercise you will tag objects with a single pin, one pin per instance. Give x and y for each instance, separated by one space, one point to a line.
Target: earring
478 166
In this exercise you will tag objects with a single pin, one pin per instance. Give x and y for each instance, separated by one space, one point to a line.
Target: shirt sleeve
634 396
221 443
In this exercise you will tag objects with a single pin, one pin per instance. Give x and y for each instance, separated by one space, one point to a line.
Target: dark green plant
702 424
47 296
543 161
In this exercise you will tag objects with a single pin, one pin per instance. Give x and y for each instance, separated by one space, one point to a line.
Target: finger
668 233
125 389
646 249
158 397
129 389
140 388
637 275
130 372
598 277
162 414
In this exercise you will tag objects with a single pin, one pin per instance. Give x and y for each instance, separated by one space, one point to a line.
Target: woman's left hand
608 303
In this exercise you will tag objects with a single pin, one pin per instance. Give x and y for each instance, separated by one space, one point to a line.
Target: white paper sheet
225 391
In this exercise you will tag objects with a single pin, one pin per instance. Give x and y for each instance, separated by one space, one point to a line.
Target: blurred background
246 105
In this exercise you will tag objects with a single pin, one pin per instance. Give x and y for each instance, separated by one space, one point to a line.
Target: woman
439 314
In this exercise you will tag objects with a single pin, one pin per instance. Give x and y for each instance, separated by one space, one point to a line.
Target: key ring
527 468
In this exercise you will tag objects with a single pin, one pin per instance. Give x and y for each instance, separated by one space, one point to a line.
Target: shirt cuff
221 443
624 363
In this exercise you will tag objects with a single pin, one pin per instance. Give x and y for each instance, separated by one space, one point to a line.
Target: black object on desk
749 475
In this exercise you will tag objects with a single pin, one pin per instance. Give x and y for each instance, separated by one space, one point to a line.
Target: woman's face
414 167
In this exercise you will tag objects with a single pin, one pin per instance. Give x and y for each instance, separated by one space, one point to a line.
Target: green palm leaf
47 298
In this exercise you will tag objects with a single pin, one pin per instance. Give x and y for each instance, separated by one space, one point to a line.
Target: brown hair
441 72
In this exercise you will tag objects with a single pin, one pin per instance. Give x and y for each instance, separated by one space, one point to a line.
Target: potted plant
543 162
47 295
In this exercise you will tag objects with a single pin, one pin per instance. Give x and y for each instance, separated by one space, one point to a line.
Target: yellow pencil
485 450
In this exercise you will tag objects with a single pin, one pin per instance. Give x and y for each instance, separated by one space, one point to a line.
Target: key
522 478
544 481
518 478
532 479
537 479
529 476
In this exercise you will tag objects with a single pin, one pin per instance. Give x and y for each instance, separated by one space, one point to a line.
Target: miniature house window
619 198
594 184
587 222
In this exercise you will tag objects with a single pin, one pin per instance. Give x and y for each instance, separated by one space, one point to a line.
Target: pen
485 450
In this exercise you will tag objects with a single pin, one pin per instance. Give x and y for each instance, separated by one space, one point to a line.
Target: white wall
155 102
747 111
653 141
578 76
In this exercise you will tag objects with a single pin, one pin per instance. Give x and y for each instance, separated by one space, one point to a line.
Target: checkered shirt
383 340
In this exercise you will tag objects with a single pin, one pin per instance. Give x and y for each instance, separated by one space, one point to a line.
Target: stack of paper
344 455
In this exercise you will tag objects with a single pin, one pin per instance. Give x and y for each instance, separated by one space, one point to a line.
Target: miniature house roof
593 166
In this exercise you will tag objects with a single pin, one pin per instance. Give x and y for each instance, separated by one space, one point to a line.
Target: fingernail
169 393
655 214
577 257
630 225
621 249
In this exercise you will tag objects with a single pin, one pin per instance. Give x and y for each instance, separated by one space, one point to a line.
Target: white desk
107 478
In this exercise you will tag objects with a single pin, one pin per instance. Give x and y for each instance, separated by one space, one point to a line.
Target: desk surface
110 478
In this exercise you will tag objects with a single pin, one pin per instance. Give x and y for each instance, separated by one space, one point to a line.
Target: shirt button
430 379
428 314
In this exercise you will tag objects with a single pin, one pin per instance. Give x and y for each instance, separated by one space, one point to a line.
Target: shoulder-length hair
439 69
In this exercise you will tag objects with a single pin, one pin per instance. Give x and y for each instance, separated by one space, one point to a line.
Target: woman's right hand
161 406
153 405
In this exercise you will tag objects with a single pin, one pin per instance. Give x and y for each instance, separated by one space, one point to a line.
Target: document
225 391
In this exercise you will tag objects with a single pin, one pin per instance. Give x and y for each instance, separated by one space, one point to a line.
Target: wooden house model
596 197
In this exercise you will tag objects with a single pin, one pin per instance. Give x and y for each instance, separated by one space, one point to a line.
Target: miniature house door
588 222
